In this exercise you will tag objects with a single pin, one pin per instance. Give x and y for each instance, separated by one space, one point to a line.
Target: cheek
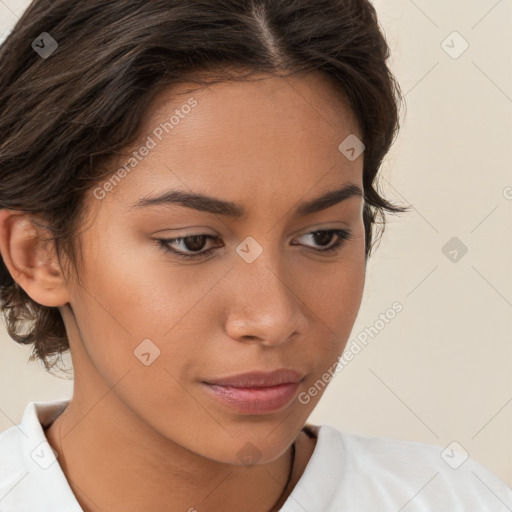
134 331
334 291
336 307
332 300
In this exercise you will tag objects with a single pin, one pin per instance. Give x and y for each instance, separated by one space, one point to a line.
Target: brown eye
192 243
323 237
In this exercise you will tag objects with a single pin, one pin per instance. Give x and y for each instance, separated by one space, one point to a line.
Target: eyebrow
217 206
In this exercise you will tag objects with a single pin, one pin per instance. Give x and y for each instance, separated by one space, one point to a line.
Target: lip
256 392
259 379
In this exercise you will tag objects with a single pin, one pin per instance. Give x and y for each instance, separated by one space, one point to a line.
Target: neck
108 440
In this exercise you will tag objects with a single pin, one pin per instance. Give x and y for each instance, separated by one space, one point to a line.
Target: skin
267 145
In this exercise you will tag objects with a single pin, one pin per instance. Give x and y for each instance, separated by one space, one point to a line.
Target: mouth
256 392
255 400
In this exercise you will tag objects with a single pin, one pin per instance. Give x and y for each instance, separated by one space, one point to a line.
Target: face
267 287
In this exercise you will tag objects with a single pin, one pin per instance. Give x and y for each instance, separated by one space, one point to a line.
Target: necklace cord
290 473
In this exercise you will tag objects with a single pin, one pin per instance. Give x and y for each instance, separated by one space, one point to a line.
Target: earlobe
31 260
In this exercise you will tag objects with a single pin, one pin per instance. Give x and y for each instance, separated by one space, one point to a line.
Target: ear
31 261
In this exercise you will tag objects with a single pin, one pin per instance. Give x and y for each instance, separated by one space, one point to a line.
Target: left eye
196 243
326 235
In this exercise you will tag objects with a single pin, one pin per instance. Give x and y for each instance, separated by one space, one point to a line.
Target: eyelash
342 234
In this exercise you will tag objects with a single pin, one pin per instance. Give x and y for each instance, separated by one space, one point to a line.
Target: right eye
190 243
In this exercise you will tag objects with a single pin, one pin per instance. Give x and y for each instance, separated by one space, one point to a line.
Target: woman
188 194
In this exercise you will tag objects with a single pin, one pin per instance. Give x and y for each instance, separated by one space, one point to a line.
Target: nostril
250 338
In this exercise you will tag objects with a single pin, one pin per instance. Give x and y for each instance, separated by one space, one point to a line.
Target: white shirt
346 473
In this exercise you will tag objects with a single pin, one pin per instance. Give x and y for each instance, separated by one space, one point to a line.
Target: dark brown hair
63 118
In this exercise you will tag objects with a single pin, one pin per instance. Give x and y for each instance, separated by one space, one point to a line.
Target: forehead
246 141
265 97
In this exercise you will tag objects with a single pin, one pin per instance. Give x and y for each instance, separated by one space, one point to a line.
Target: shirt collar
30 477
316 488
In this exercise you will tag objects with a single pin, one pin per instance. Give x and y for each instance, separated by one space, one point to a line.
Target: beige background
440 370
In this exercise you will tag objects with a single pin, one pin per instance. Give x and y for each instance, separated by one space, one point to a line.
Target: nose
265 305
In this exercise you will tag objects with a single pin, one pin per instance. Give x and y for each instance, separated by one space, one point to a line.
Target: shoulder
408 475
